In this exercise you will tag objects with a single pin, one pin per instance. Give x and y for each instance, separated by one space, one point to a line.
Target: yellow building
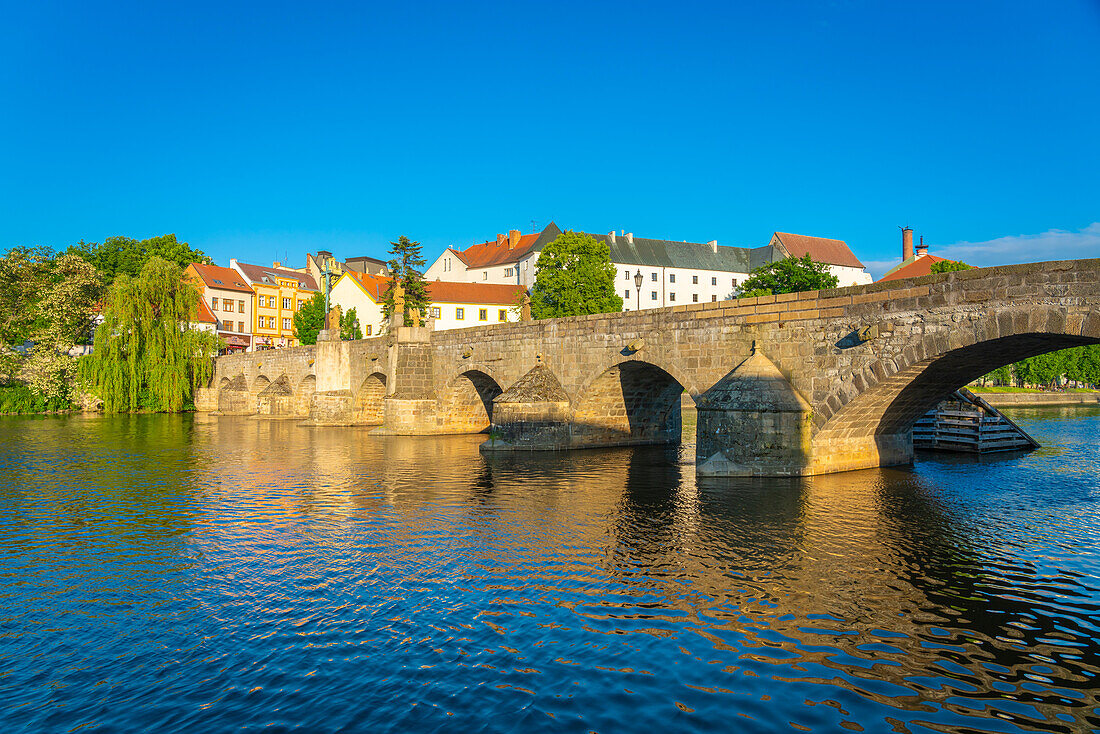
279 293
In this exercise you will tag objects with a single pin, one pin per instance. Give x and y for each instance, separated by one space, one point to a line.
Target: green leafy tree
949 266
406 267
65 319
573 277
349 326
126 256
790 275
310 319
24 273
148 355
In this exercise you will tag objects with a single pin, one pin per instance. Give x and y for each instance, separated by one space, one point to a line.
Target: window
735 282
370 327
695 298
671 297
213 304
713 299
286 303
485 275
695 280
653 277
460 313
714 281
626 293
271 301
509 272
240 306
653 295
227 305
301 305
502 314
672 277
483 314
218 282
435 312
626 275
286 323
240 327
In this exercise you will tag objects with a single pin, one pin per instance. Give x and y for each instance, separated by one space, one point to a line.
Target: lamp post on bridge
638 289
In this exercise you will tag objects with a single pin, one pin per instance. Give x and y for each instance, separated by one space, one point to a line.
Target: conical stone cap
537 386
755 385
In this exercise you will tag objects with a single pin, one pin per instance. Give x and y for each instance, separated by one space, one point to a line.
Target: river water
194 573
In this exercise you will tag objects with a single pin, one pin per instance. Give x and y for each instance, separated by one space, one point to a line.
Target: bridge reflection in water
329 579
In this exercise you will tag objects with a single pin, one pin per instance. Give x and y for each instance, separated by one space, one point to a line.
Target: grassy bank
1027 390
20 400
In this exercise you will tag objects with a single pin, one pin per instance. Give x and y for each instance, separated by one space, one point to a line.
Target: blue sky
261 131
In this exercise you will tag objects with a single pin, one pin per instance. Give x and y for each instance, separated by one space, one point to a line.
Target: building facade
454 305
229 299
672 273
914 263
279 293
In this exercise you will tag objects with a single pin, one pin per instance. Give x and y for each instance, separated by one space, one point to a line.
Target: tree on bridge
407 268
574 277
790 275
309 320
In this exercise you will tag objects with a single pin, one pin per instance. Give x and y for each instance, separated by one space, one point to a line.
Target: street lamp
638 286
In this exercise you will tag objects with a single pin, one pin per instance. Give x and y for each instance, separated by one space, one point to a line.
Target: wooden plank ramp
968 423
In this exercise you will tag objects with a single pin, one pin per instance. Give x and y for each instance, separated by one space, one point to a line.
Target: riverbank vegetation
50 304
1078 367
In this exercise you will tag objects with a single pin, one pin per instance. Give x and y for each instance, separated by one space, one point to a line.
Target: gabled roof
487 254
204 315
690 255
263 274
820 249
215 276
440 291
912 267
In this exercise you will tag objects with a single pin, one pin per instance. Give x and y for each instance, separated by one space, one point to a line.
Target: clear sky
261 131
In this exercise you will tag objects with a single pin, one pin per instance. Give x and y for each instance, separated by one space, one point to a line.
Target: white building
229 299
672 272
454 305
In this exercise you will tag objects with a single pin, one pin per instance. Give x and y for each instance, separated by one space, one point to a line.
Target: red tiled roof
260 273
218 277
442 291
914 268
204 314
820 249
493 253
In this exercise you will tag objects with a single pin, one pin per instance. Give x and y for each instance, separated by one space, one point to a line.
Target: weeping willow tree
148 355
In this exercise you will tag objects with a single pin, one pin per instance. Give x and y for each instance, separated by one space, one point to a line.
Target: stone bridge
805 383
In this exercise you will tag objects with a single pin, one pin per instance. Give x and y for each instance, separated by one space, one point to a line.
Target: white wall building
672 272
454 305
229 298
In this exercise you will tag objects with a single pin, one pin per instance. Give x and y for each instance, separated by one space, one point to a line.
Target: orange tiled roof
215 276
495 253
913 268
820 249
264 275
442 291
205 315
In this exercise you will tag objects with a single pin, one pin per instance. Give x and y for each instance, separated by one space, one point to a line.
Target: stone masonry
855 366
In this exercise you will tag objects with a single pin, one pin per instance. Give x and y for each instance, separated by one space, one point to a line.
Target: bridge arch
880 403
630 402
467 400
370 399
259 385
234 396
303 394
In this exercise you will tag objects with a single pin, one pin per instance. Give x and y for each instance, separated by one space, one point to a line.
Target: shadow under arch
893 404
467 401
234 397
303 395
370 400
630 403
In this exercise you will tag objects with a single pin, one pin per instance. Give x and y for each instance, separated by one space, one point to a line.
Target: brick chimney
500 239
922 249
513 239
713 246
276 264
611 236
629 238
906 243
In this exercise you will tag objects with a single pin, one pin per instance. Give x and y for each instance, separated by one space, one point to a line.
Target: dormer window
218 282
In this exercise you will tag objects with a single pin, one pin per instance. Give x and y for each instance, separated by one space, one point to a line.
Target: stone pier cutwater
796 384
